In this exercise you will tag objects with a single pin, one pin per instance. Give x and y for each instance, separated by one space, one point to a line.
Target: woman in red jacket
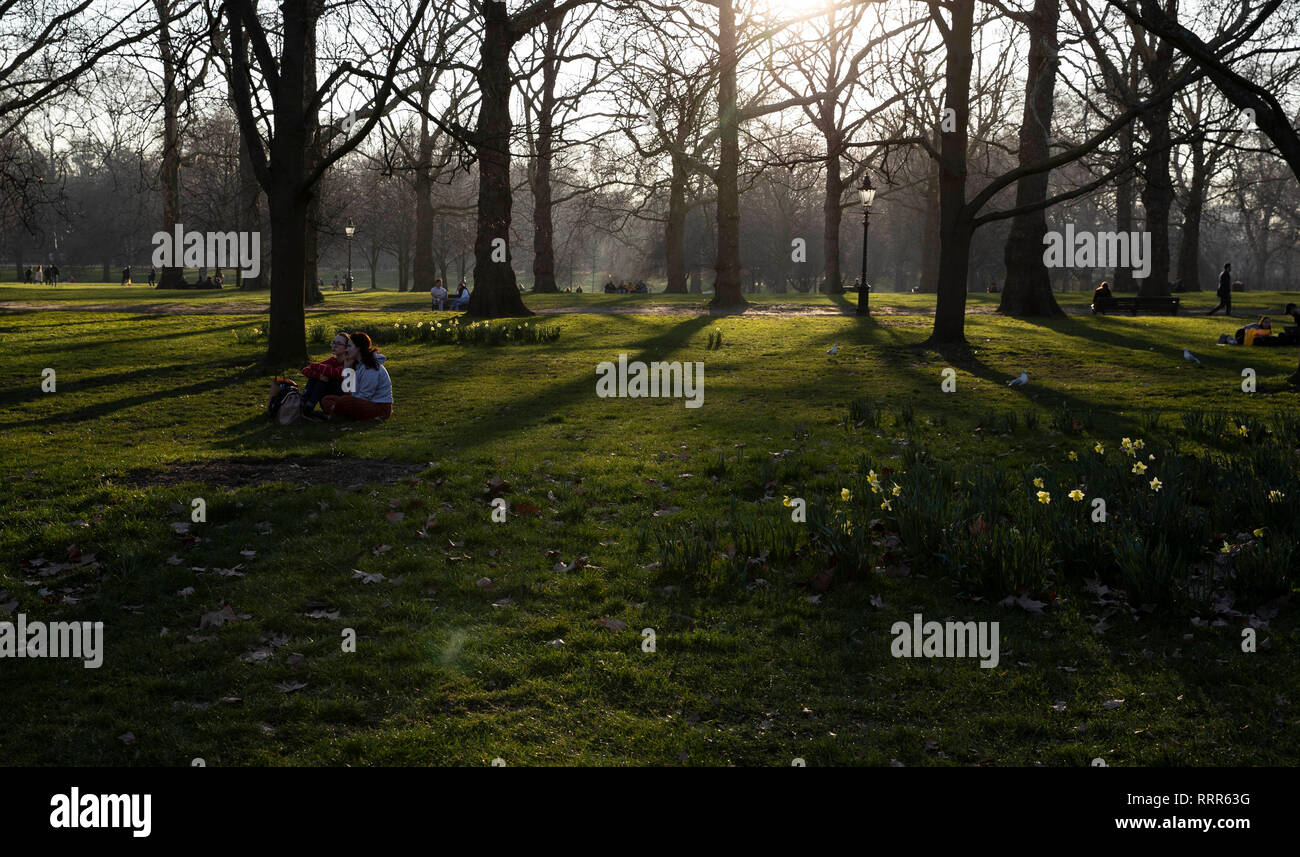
326 377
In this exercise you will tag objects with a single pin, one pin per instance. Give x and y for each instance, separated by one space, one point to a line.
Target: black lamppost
868 194
351 230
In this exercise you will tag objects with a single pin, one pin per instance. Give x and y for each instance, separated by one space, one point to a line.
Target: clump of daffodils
1275 496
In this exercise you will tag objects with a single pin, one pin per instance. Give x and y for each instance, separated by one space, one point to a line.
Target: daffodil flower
897 489
785 501
845 494
1275 496
1259 533
1139 468
1156 484
1038 482
1073 456
1099 449
1243 431
1226 548
1076 495
1044 497
886 506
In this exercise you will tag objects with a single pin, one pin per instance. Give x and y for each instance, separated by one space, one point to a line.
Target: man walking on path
1225 291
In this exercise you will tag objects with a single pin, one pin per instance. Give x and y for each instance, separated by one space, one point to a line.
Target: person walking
1225 291
126 276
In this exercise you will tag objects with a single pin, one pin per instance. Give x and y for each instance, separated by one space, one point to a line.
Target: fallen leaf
367 578
217 618
526 509
483 583
290 686
614 625
322 614
1112 704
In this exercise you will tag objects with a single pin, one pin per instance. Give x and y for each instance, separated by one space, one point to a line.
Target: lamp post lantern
351 230
868 196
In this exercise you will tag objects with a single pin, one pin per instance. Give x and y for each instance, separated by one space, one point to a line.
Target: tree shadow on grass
166 391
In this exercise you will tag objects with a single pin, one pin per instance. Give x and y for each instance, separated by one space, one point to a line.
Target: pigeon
834 349
1187 355
1021 381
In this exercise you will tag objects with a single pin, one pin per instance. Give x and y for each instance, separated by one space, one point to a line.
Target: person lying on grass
326 377
373 398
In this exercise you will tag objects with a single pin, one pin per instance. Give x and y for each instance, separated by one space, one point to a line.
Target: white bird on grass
1187 355
1021 381
834 349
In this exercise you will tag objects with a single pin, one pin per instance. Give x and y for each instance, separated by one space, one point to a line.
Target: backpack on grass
285 403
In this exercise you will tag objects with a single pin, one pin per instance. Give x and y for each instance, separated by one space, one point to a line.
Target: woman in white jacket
373 396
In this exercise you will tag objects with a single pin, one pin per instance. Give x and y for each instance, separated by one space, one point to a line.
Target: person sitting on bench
1102 292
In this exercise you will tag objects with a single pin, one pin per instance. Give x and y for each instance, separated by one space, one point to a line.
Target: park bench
1136 305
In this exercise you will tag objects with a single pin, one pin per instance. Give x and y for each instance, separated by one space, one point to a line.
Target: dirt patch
347 473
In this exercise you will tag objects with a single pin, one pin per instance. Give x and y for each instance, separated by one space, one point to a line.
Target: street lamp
868 195
351 230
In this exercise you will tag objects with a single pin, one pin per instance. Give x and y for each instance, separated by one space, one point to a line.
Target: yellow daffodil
1156 484
1139 443
1226 548
785 501
1126 443
1099 449
1073 456
897 489
846 494
1038 482
1076 495
1243 431
886 506
1275 496
1139 468
1044 497
1259 533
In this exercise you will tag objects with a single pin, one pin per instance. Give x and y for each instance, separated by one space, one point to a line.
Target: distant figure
1224 291
1102 292
220 279
153 274
336 282
1258 333
438 294
27 275
579 290
54 275
126 276
993 288
610 288
40 274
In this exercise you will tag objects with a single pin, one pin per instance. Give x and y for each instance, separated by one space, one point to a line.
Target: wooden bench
1134 306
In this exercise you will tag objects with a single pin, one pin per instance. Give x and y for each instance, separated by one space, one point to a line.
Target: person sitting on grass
373 399
326 377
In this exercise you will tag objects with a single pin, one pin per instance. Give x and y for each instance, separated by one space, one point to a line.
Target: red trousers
352 408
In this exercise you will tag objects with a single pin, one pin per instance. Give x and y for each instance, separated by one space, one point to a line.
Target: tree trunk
1157 188
675 231
1027 290
496 294
832 215
250 215
170 173
727 293
955 224
543 225
928 282
1189 246
1123 280
289 200
425 271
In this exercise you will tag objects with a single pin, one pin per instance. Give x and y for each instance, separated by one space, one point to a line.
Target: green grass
448 672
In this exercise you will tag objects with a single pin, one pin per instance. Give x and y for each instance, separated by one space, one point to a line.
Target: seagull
1187 355
1021 381
834 349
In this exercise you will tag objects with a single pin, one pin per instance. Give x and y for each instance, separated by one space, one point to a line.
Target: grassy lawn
760 656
